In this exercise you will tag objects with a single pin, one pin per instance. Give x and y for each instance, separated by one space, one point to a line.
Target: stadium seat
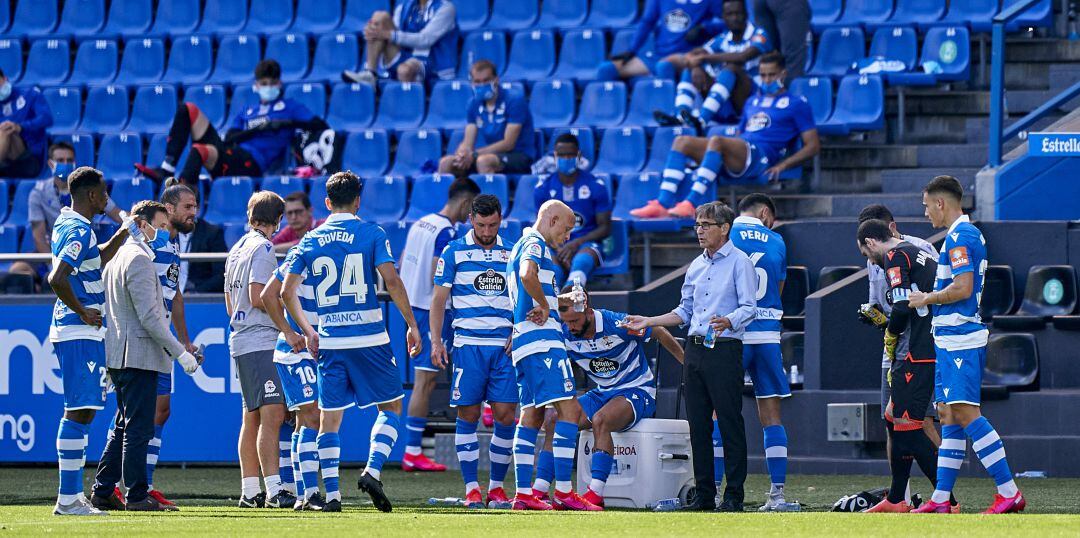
650 95
96 62
318 197
897 43
635 190
552 104
224 16
471 14
66 106
210 98
860 106
81 18
11 58
20 203
143 61
106 109
864 12
616 250
352 106
920 13
581 51
227 202
429 195
153 109
396 234
334 53
563 13
358 12
586 141
832 274
662 139
1012 360
233 232
367 153
5 15
317 16
155 153
612 13
1040 15
482 45
998 292
118 152
237 56
270 16
284 185
191 59
818 92
978 14
1050 291
383 199
34 18
416 148
401 105
496 185
176 17
291 51
126 192
513 14
84 147
947 47
603 104
532 56
448 105
796 288
825 12
837 50
4 201
310 94
622 151
48 62
243 96
524 209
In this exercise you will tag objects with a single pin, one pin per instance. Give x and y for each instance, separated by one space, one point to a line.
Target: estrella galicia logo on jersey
894 276
603 368
758 122
677 21
173 273
958 257
490 283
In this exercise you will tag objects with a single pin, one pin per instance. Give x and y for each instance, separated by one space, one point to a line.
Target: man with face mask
24 116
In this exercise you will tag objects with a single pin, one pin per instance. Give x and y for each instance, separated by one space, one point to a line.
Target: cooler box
652 462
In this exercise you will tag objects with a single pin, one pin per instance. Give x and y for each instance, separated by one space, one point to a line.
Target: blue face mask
566 165
61 170
5 91
484 91
268 93
772 87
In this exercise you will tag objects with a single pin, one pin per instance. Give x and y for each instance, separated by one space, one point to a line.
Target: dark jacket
207 277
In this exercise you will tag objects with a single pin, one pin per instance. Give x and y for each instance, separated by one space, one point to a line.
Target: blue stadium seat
524 209
947 46
634 191
143 61
5 15
586 141
233 232
429 195
96 62
177 17
334 53
401 105
191 59
367 153
283 185
358 12
662 139
4 202
34 18
497 185
117 155
128 191
352 106
563 13
396 234
153 109
1040 15
82 18
227 202
552 104
482 45
20 203
310 94
291 51
414 150
11 59
650 95
860 106
210 98
978 14
106 109
895 43
383 199
581 51
818 92
84 147
603 104
868 12
270 16
471 14
921 13
513 14
616 250
155 151
317 16
236 58
837 50
243 96
622 151
825 12
131 18
318 198
224 16
510 231
532 55
48 63
612 13
448 105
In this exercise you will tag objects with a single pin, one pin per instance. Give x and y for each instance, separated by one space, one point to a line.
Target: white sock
492 484
1008 489
541 486
375 473
414 450
564 486
250 485
273 485
167 167
597 486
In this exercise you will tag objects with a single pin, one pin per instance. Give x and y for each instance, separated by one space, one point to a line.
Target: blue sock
719 93
71 455
991 452
285 470
153 451
674 172
468 452
563 444
415 427
607 71
950 458
384 434
601 469
581 266
717 454
545 471
500 453
298 476
705 174
560 275
309 460
329 458
665 70
686 94
776 453
524 454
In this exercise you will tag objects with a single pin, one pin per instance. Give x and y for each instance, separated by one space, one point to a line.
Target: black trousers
125 453
714 383
786 22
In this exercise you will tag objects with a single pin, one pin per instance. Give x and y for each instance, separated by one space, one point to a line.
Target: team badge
568 385
958 257
457 394
583 192
269 387
782 102
308 391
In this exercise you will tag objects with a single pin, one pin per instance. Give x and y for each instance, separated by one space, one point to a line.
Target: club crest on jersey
603 368
489 283
583 192
958 257
308 391
269 387
894 276
568 385
677 21
758 122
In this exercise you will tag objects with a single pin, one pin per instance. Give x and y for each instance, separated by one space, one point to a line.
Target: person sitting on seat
418 43
24 116
678 25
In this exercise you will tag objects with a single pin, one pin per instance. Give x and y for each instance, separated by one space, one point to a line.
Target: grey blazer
138 334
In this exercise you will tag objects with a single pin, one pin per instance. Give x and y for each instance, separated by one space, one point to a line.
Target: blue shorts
643 403
595 247
423 360
164 384
363 376
958 375
544 378
482 373
82 369
765 364
390 71
299 383
758 160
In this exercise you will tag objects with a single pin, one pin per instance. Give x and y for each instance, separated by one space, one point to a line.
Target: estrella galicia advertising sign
1054 144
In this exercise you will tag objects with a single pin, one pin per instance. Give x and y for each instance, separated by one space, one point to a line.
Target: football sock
179 134
900 462
468 452
950 458
500 453
563 444
309 460
273 485
776 453
415 435
719 93
71 439
285 469
718 454
685 93
249 485
298 475
581 266
384 434
705 175
524 450
674 173
991 452
329 445
601 468
153 450
545 471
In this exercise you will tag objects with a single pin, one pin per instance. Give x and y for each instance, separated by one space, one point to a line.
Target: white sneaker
363 77
79 507
775 502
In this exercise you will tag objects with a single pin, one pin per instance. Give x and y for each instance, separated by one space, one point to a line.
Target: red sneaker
528 502
651 210
541 495
474 499
886 507
497 498
931 507
421 463
119 495
593 497
682 210
573 501
488 417
165 503
1007 505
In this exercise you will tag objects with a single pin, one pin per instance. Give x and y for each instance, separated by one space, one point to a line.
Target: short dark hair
740 2
174 189
343 188
84 178
947 185
567 138
875 212
773 58
751 201
148 209
484 63
486 205
62 144
462 186
875 229
268 68
265 208
299 196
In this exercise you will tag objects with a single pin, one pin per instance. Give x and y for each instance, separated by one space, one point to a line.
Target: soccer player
544 373
471 272
908 269
76 332
426 240
674 23
772 121
356 366
960 344
417 43
252 340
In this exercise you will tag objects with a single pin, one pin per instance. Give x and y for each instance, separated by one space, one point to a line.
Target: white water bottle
132 226
579 296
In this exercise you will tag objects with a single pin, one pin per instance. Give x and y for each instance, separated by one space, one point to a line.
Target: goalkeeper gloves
871 314
890 344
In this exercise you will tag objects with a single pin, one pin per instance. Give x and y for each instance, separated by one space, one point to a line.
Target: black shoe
664 119
148 504
702 506
730 505
316 503
692 121
373 488
332 506
258 501
283 499
112 502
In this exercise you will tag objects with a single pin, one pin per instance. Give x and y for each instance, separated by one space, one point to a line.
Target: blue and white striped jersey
613 358
479 296
958 325
528 337
768 253
340 257
283 353
74 242
167 264
727 43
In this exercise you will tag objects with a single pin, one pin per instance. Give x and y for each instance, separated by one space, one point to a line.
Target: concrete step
807 206
1062 76
941 102
905 180
868 156
849 180
978 129
950 155
1024 101
1052 50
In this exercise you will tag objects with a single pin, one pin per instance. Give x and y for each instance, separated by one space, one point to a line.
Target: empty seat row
945 54
976 14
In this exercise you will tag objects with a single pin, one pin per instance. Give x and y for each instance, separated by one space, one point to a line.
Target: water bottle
200 352
667 505
710 338
446 501
794 374
579 296
132 226
1031 474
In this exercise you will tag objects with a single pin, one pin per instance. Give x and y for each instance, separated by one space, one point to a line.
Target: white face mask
268 93
5 90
